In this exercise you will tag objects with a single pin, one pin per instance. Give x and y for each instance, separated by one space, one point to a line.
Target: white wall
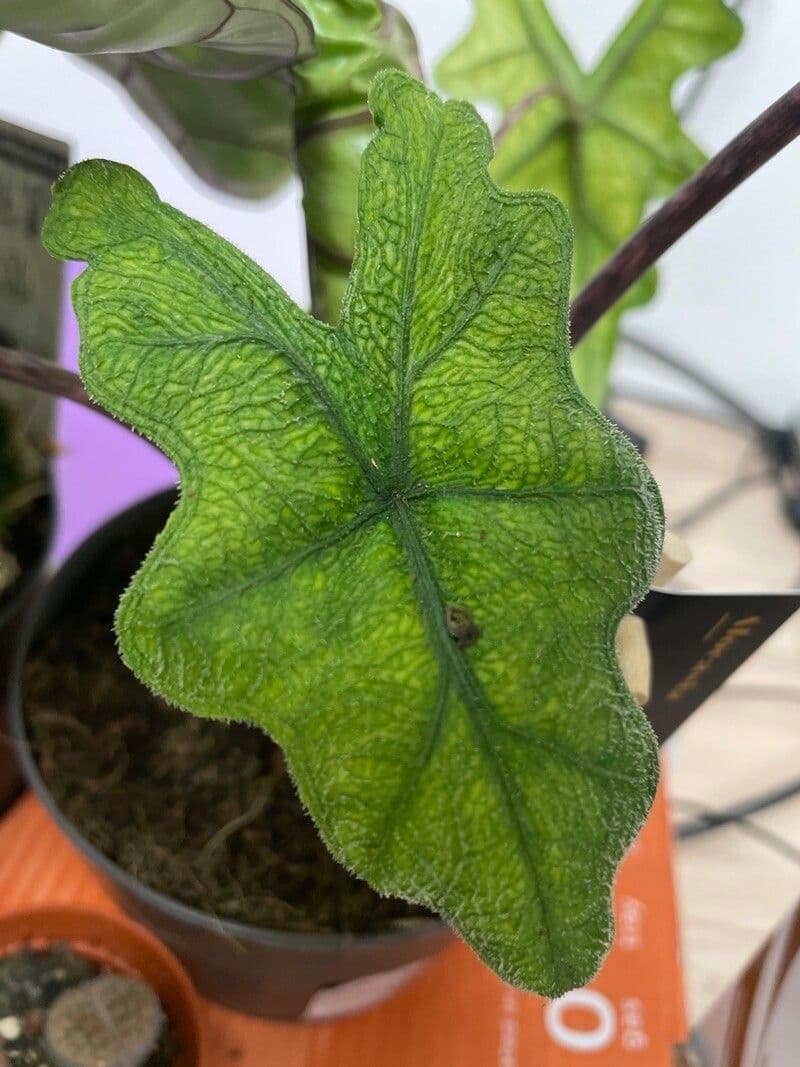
729 296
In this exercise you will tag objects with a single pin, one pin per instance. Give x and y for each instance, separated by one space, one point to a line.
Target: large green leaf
404 544
235 134
219 92
231 37
606 141
202 70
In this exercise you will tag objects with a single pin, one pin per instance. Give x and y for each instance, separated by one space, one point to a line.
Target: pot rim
132 948
323 942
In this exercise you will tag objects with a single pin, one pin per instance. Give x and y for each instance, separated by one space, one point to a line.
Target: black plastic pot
14 602
266 973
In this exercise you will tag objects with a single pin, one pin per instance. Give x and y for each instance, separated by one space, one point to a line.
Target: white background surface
729 299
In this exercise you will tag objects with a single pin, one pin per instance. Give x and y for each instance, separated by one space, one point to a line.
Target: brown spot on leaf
461 625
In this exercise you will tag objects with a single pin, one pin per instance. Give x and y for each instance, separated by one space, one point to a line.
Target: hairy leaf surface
403 544
606 142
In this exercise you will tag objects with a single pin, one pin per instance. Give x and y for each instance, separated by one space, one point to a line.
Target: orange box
457 1014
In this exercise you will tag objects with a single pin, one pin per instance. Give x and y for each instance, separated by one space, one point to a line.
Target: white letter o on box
582 1040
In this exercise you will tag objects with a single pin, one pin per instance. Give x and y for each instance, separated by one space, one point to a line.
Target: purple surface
101 467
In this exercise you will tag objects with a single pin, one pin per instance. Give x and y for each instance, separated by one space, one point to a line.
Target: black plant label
698 640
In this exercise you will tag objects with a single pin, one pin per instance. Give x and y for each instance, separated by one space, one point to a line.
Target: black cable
717 499
741 812
742 822
781 447
737 813
767 434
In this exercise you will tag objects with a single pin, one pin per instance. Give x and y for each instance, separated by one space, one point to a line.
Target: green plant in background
210 75
403 544
606 142
247 92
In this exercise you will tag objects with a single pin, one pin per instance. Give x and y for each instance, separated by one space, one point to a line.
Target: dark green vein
281 569
416 370
407 302
304 371
544 492
566 755
405 794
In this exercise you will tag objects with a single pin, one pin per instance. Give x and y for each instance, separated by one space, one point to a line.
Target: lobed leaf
404 544
606 142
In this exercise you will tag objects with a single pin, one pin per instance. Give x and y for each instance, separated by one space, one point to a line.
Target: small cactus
110 1021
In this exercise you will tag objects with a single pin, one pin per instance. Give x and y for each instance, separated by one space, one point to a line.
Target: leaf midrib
618 61
457 668
381 509
559 75
589 110
457 672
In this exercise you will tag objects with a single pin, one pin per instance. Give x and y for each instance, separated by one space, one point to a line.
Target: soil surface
203 811
30 982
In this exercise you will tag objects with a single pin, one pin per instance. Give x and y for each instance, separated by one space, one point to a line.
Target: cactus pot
118 946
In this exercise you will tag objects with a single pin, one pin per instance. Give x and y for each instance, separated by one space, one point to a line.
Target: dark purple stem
773 130
33 372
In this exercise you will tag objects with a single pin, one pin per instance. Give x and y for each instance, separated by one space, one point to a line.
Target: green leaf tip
84 214
403 545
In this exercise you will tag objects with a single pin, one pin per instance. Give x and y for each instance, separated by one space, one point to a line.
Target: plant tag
698 640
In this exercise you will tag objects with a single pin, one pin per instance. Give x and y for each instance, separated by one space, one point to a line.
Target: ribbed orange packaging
457 1014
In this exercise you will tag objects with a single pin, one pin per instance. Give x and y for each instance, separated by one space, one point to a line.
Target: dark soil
203 811
30 982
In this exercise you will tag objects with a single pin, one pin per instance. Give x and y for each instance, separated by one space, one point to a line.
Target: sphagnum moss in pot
404 542
196 825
